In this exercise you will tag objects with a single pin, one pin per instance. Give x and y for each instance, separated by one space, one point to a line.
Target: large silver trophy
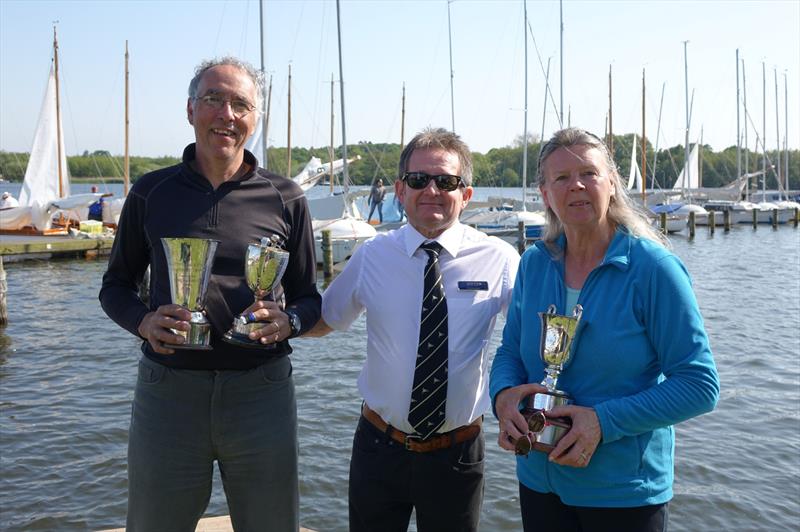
558 333
264 266
189 263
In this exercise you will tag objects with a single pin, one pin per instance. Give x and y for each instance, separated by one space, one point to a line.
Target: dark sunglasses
420 180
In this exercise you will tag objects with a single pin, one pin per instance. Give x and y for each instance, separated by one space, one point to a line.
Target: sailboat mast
738 124
644 150
127 168
746 143
403 119
778 137
330 147
345 174
289 127
265 129
544 108
561 63
58 119
525 112
452 97
686 175
764 131
658 136
610 141
264 116
786 131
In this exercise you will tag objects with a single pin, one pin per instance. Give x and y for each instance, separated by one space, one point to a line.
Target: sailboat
45 188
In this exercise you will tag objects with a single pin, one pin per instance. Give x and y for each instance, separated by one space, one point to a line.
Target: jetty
23 247
210 524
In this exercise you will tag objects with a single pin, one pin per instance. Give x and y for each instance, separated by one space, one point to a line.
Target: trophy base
242 340
197 347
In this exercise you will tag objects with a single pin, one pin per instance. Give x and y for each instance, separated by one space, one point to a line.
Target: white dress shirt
385 278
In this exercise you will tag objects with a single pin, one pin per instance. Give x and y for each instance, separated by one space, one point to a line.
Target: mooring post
3 290
327 255
755 218
521 237
796 216
712 221
774 218
663 222
727 219
691 224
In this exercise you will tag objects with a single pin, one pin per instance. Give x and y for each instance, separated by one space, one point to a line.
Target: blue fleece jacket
641 359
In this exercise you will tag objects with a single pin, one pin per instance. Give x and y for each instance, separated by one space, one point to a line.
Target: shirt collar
450 239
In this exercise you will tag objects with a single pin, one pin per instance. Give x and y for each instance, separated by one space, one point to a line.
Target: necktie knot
432 248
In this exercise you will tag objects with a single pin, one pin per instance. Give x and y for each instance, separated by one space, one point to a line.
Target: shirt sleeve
130 257
508 369
690 386
341 301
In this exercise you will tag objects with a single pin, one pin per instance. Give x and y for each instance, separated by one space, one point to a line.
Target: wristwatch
294 322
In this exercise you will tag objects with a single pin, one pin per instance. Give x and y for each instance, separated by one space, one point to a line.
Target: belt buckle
409 439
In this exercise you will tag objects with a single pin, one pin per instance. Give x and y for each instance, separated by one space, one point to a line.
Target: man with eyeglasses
432 291
233 405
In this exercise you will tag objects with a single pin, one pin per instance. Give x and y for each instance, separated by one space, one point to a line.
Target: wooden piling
726 216
796 216
712 222
521 237
663 222
3 290
327 255
774 218
692 224
755 218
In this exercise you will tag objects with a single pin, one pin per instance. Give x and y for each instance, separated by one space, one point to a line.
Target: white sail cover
689 177
41 177
635 177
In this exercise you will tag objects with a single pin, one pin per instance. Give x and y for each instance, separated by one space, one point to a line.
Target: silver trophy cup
189 264
558 333
265 264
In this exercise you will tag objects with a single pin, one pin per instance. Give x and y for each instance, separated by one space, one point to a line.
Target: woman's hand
275 322
578 445
512 424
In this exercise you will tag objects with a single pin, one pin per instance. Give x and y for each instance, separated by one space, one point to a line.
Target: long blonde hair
622 211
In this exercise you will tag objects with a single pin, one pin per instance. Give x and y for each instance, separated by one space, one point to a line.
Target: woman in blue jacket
641 358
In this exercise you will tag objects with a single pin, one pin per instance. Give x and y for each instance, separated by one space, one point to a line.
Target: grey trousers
183 420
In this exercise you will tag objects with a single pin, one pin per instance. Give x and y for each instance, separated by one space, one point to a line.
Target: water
67 375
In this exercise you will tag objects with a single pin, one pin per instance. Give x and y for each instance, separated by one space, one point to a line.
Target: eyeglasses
240 108
420 180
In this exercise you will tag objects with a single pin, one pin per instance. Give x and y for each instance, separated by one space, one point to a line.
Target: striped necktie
429 393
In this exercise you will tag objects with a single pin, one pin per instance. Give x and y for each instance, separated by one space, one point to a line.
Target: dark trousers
387 482
545 511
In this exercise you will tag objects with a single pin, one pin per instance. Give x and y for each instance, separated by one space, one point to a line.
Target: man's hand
512 424
275 322
155 327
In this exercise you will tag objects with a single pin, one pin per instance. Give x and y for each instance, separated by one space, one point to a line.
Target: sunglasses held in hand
420 180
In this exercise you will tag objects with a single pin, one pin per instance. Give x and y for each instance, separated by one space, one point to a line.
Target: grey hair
439 139
622 210
244 66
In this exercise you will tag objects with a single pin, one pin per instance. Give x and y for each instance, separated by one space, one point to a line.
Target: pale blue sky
387 43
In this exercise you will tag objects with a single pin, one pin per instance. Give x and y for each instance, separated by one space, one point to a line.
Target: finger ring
584 456
252 317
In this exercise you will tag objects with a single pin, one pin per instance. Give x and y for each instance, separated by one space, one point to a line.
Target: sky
389 44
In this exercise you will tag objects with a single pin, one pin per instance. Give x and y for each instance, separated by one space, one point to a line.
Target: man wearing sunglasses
432 290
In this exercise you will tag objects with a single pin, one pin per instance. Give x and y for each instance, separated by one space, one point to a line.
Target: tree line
499 167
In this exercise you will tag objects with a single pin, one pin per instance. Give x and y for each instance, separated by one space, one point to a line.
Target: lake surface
67 375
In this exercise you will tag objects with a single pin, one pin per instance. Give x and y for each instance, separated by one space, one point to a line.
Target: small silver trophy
189 264
558 333
264 266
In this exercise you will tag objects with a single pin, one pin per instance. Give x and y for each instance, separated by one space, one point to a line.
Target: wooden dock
21 247
210 524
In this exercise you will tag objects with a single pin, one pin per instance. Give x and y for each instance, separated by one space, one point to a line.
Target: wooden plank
19 245
210 524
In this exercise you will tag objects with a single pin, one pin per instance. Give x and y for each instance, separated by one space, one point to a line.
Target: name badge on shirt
473 285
